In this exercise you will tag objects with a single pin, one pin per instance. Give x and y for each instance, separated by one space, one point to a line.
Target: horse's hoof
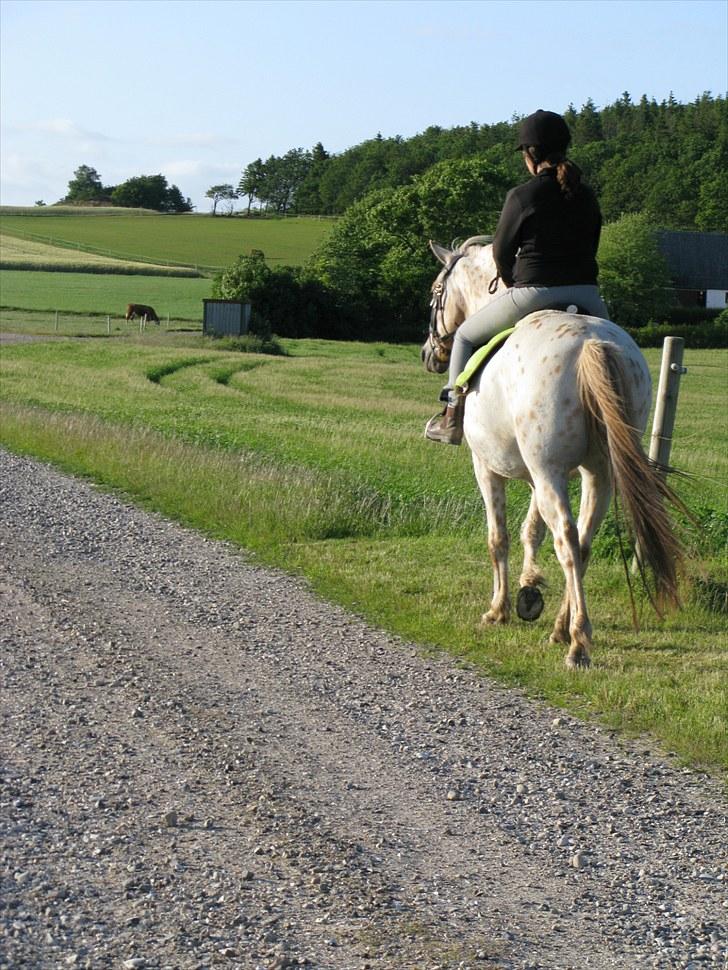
529 604
493 619
581 662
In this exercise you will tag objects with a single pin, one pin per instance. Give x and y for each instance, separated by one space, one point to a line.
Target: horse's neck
477 271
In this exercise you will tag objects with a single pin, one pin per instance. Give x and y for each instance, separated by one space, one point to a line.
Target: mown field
192 240
316 462
85 293
21 253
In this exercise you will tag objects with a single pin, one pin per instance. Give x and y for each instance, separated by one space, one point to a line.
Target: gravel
205 765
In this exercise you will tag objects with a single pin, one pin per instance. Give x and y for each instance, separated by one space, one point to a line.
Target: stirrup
447 427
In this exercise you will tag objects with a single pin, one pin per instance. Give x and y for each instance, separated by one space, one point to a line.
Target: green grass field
194 240
100 293
316 462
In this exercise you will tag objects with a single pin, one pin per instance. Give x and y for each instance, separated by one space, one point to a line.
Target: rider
545 248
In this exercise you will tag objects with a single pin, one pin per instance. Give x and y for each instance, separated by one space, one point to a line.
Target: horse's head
446 312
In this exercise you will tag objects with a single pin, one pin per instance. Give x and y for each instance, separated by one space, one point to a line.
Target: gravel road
204 765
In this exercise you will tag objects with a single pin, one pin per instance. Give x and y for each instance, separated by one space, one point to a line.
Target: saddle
485 354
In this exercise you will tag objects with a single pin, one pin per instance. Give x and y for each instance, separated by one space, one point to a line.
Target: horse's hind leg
530 601
553 504
493 490
595 495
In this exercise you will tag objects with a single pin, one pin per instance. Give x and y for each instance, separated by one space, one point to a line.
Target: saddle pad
480 356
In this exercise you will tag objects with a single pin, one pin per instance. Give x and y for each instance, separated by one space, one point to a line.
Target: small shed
225 318
698 265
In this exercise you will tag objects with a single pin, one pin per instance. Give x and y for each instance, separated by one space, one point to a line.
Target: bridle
441 344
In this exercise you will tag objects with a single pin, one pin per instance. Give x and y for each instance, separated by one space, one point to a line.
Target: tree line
140 192
653 165
665 159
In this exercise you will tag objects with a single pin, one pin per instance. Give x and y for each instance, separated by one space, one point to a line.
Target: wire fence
64 324
60 243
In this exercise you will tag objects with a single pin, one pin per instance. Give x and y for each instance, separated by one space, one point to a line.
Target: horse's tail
643 491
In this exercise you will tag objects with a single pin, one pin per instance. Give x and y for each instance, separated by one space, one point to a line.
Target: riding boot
447 427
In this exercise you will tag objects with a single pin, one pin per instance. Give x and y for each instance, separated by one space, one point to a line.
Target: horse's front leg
492 488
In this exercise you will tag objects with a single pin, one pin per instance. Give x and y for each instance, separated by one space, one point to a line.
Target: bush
633 274
692 314
250 343
711 334
288 301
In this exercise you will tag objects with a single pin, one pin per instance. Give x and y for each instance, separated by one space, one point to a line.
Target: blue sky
197 90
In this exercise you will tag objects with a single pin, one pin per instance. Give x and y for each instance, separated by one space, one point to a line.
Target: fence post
55 327
108 325
663 422
666 401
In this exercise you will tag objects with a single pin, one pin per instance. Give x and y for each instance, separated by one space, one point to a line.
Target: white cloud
182 168
185 168
64 128
191 140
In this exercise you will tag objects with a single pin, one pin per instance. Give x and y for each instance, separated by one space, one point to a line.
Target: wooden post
666 401
663 422
108 325
56 323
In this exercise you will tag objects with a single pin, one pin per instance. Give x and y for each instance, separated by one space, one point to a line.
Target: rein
443 344
439 297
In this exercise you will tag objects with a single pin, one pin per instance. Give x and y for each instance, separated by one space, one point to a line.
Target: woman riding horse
545 250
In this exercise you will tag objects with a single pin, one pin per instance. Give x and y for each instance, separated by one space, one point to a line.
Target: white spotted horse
566 392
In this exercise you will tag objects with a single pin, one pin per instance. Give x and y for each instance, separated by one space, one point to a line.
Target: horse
139 310
565 393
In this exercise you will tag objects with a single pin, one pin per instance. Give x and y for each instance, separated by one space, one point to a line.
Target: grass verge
668 681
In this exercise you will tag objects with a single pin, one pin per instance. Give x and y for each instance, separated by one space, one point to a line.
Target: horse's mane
472 241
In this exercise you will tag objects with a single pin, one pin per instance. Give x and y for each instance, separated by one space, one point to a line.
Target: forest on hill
664 159
653 165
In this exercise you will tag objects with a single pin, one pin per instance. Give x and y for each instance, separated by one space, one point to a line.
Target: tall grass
316 463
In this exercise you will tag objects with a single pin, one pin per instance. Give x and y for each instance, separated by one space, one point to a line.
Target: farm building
698 265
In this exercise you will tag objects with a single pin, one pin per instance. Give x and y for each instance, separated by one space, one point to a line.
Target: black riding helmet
546 131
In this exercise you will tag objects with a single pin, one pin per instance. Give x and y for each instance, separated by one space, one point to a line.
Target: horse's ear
441 253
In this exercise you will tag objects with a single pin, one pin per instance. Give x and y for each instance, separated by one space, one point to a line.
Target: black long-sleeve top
545 239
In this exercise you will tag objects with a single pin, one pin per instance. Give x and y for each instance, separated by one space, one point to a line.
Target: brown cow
139 310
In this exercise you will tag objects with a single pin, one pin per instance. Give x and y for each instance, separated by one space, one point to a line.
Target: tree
174 201
288 301
251 181
220 193
633 274
150 192
377 260
308 195
281 177
85 186
712 215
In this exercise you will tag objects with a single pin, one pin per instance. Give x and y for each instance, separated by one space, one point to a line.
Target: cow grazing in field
139 310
